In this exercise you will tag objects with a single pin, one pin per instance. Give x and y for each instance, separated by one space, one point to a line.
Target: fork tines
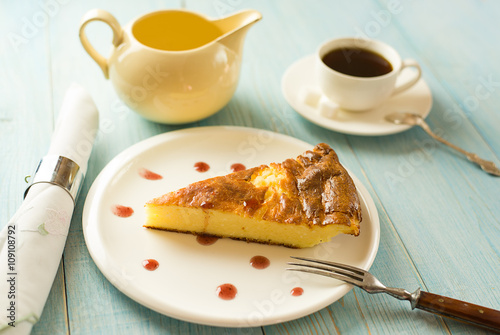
347 273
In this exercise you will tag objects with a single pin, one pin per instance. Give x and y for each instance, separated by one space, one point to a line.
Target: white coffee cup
353 93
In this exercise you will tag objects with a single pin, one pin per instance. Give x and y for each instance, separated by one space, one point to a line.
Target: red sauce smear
206 239
201 166
297 291
238 167
260 262
226 291
122 211
149 175
150 264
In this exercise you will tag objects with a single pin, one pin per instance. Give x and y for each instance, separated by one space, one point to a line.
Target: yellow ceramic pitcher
173 66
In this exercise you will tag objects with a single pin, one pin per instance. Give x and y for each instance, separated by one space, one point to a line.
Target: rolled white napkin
32 242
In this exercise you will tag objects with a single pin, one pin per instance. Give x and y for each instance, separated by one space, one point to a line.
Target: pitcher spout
235 27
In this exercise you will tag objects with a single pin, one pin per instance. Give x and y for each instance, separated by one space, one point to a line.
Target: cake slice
297 203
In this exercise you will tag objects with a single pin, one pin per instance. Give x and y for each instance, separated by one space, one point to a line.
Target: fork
429 302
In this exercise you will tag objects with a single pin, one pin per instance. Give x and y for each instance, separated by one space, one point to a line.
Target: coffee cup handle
412 81
104 16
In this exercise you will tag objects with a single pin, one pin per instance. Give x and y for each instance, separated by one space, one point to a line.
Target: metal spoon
417 120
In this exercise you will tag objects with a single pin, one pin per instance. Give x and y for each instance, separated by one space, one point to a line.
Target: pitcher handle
412 81
106 17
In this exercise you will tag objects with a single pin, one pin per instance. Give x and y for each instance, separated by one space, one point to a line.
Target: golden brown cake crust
314 189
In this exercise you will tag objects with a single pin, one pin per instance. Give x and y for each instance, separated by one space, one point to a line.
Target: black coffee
357 62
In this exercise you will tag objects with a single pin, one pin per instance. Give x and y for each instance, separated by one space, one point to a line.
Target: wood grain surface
439 214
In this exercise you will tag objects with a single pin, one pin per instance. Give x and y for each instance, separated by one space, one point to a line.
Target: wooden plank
95 305
443 212
26 113
438 212
374 160
293 19
465 64
26 124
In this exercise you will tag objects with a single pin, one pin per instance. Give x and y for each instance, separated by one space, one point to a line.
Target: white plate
184 285
301 75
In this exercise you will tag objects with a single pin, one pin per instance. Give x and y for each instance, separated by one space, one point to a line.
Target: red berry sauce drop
260 262
237 167
297 291
150 264
149 175
226 291
206 239
201 166
122 211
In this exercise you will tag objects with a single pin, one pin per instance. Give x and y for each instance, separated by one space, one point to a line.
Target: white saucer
301 75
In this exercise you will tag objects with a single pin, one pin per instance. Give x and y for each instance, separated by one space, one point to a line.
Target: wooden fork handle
459 310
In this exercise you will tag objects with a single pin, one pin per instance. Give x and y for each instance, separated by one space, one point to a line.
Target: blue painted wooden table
439 214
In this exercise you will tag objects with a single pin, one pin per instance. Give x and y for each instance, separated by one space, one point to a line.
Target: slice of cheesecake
297 203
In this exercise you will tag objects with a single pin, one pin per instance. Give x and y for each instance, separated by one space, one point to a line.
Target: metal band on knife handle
60 171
